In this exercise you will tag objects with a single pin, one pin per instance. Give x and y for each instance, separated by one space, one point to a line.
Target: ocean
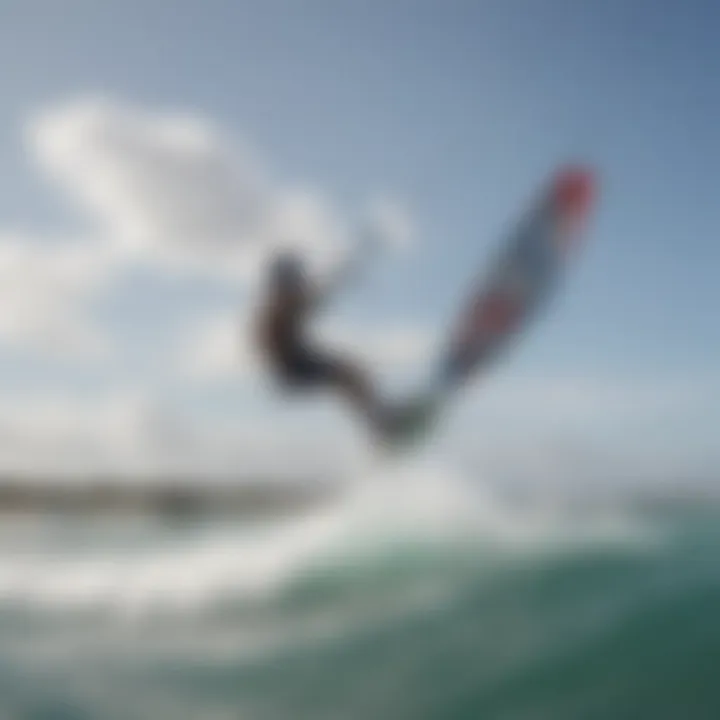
418 594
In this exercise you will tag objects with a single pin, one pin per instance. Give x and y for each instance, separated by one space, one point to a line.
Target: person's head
287 273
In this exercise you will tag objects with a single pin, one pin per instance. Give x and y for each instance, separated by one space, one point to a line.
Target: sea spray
418 506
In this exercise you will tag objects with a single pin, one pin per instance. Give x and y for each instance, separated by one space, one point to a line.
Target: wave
418 595
418 510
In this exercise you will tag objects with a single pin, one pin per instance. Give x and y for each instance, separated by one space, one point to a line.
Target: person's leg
345 377
394 423
307 369
355 385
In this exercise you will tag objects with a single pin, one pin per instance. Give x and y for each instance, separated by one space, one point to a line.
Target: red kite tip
575 190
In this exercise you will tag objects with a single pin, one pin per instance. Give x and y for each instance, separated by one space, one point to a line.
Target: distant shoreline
270 497
171 498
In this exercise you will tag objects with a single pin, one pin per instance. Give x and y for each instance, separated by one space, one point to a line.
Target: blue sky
457 111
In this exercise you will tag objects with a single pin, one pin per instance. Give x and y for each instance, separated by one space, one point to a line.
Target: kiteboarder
290 301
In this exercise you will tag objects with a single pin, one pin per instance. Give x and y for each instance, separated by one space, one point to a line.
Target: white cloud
151 181
58 435
46 291
175 190
135 435
219 349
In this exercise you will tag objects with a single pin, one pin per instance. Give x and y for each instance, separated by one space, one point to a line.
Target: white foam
421 503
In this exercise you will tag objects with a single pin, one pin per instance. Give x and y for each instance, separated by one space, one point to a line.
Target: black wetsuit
296 362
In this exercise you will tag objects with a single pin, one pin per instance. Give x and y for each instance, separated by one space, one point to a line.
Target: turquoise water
447 606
